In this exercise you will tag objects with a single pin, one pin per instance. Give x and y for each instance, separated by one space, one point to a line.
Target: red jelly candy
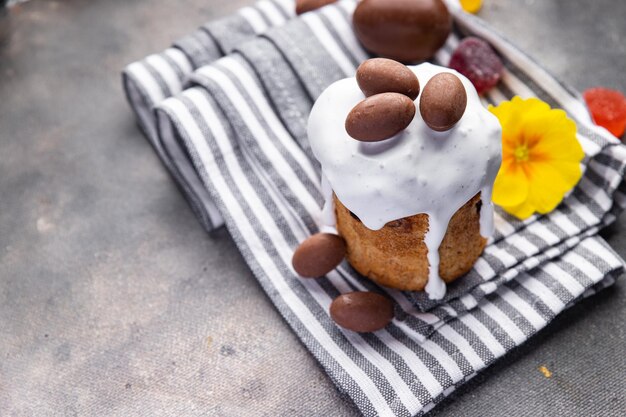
607 108
475 59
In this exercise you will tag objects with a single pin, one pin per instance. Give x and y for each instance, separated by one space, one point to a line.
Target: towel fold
238 133
158 76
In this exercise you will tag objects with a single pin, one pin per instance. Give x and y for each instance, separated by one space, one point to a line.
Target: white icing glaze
417 171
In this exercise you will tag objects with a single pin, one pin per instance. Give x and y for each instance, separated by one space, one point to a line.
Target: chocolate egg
318 255
303 6
381 75
443 101
380 117
404 30
362 311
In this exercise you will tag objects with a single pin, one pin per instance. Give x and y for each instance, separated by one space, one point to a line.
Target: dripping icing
328 219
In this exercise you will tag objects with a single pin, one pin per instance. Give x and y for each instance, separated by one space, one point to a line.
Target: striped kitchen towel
240 130
158 76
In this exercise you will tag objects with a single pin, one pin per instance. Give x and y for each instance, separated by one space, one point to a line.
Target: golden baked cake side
396 255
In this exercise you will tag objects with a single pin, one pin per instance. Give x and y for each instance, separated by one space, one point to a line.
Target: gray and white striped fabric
158 76
240 130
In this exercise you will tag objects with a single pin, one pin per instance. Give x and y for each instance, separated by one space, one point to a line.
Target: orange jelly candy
607 108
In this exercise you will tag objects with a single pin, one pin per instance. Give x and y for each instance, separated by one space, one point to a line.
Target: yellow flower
540 157
471 6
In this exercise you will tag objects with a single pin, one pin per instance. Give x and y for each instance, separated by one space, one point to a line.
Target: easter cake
409 157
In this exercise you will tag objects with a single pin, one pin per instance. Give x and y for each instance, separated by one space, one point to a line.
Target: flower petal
521 211
511 119
557 137
570 171
511 185
548 185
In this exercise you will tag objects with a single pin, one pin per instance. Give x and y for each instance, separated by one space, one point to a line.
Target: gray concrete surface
113 301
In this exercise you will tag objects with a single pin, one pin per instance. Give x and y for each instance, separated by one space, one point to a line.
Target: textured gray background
113 300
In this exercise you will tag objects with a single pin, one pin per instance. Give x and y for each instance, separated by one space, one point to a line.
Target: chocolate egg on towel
404 30
362 311
318 255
